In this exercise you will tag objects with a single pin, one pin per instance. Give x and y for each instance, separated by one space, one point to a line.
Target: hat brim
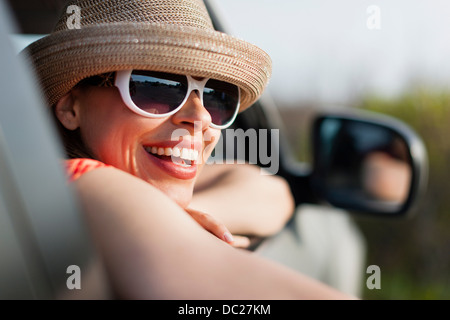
65 57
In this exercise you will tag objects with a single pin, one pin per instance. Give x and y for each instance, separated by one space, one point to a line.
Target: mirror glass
362 165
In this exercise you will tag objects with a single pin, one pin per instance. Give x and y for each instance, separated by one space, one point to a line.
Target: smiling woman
140 92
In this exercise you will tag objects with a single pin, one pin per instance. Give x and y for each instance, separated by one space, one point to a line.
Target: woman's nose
193 113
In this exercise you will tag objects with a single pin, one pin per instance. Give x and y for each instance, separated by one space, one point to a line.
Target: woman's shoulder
114 188
90 172
75 168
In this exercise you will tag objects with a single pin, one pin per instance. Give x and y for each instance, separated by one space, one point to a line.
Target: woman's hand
217 228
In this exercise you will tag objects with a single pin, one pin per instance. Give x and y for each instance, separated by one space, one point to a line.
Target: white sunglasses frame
122 82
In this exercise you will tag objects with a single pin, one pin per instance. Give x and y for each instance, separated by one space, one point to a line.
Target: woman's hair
72 140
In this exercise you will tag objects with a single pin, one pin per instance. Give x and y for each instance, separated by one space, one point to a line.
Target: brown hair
72 141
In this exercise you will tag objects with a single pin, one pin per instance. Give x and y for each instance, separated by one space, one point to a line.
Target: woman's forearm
152 249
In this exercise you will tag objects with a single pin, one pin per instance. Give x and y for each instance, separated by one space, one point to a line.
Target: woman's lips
180 163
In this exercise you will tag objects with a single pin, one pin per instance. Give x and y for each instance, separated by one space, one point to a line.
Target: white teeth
183 153
176 152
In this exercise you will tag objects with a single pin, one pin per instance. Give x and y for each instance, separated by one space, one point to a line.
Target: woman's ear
68 112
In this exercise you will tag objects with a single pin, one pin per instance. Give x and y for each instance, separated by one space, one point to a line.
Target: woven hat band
190 13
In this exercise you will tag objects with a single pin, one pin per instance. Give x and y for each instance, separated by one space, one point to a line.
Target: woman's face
168 152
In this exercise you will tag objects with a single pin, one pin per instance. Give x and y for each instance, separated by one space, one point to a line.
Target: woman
143 88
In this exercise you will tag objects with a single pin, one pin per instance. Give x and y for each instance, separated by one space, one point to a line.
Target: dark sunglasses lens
221 99
156 92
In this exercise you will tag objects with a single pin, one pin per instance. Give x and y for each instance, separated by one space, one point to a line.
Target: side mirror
367 163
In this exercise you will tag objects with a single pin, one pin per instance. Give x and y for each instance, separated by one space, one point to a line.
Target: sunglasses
157 95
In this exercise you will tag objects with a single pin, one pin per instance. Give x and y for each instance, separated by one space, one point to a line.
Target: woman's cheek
210 138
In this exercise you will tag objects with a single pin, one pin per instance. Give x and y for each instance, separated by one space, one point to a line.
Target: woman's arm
246 201
152 249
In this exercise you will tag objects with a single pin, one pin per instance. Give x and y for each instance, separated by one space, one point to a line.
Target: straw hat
175 36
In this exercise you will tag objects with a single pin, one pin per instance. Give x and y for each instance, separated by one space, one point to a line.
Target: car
43 236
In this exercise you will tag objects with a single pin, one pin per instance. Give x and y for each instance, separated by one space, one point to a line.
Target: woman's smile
177 159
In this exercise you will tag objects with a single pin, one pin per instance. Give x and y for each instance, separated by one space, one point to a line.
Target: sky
338 51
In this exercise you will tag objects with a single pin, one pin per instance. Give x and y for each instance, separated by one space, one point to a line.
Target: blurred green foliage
414 253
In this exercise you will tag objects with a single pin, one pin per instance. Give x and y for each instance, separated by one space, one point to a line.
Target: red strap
75 168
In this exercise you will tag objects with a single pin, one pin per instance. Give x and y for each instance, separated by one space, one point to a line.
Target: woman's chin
179 190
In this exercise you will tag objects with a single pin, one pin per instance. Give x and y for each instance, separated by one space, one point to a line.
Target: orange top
75 168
